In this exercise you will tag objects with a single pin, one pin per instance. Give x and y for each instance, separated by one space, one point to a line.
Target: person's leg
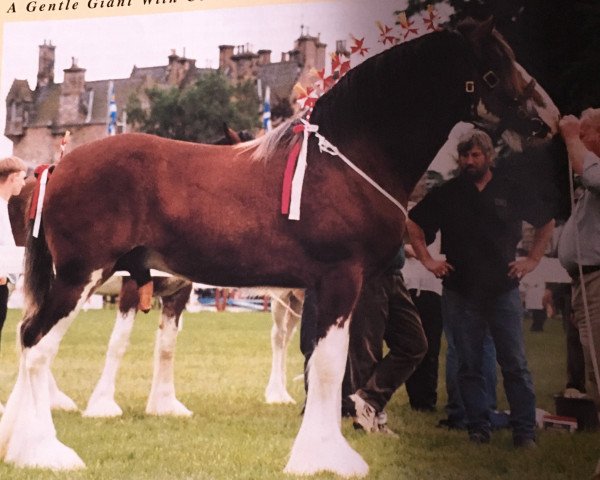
406 341
3 307
365 350
468 328
506 323
589 337
455 407
538 318
421 386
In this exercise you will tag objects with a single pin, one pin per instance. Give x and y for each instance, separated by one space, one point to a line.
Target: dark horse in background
212 214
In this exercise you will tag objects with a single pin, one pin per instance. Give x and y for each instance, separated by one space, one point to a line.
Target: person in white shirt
12 179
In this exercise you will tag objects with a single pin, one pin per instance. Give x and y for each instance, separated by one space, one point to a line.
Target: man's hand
569 127
520 268
440 268
3 280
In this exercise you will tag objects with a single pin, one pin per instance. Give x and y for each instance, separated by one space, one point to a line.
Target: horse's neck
403 106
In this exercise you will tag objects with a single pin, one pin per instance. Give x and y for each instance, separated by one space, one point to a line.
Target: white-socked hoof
61 401
275 395
312 454
48 453
103 407
168 406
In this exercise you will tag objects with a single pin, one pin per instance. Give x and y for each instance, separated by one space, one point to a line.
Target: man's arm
542 235
569 130
439 268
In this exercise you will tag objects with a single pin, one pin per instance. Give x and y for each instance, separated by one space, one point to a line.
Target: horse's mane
353 105
263 147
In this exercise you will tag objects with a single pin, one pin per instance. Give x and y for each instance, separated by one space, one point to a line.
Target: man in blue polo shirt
480 214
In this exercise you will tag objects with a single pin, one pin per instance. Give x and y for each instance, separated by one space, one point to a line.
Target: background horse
212 214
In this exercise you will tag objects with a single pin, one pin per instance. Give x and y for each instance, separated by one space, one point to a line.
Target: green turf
222 366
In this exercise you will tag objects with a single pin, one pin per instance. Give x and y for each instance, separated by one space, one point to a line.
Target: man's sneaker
366 417
479 438
382 425
525 443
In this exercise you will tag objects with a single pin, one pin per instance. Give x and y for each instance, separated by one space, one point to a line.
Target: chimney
74 81
45 74
72 95
226 65
264 57
178 68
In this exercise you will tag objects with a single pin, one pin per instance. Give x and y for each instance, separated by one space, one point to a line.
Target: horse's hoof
311 455
172 407
103 409
61 401
273 398
48 453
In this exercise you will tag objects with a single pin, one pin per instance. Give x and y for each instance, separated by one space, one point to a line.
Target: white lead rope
327 147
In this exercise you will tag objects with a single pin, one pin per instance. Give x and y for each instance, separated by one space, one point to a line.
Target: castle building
36 120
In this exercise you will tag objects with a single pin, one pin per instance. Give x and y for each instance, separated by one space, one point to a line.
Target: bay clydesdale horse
212 214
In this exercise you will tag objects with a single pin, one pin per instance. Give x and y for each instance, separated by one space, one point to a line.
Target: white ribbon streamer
40 203
298 179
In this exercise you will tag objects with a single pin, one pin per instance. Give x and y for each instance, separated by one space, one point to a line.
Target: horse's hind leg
102 401
27 433
319 444
162 399
285 310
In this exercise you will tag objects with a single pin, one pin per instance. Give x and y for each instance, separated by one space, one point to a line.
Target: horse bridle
515 114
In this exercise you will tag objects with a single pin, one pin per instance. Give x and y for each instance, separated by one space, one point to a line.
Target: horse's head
505 98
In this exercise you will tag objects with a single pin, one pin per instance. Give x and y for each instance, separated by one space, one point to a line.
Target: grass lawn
222 366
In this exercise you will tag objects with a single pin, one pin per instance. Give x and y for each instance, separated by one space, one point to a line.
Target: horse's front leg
286 310
320 445
102 401
162 399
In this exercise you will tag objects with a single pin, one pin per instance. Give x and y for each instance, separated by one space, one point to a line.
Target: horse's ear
476 32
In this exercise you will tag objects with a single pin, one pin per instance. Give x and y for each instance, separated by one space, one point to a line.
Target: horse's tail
39 271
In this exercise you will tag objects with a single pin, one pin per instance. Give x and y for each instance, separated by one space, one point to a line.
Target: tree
196 113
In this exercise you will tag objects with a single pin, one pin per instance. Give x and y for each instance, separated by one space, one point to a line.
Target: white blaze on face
548 112
484 114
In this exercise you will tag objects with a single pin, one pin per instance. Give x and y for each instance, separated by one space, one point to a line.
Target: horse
214 214
174 293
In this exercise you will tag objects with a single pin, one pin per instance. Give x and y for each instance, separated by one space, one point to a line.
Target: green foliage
197 113
222 367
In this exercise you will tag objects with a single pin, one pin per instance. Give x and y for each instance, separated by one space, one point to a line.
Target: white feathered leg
285 321
319 445
102 401
27 433
162 400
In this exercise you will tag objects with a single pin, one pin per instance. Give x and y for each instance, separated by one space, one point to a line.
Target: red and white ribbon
327 147
298 179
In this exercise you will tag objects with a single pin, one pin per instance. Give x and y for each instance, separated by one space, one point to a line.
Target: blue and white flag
112 109
266 117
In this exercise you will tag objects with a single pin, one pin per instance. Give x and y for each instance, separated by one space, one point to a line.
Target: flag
112 109
266 117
